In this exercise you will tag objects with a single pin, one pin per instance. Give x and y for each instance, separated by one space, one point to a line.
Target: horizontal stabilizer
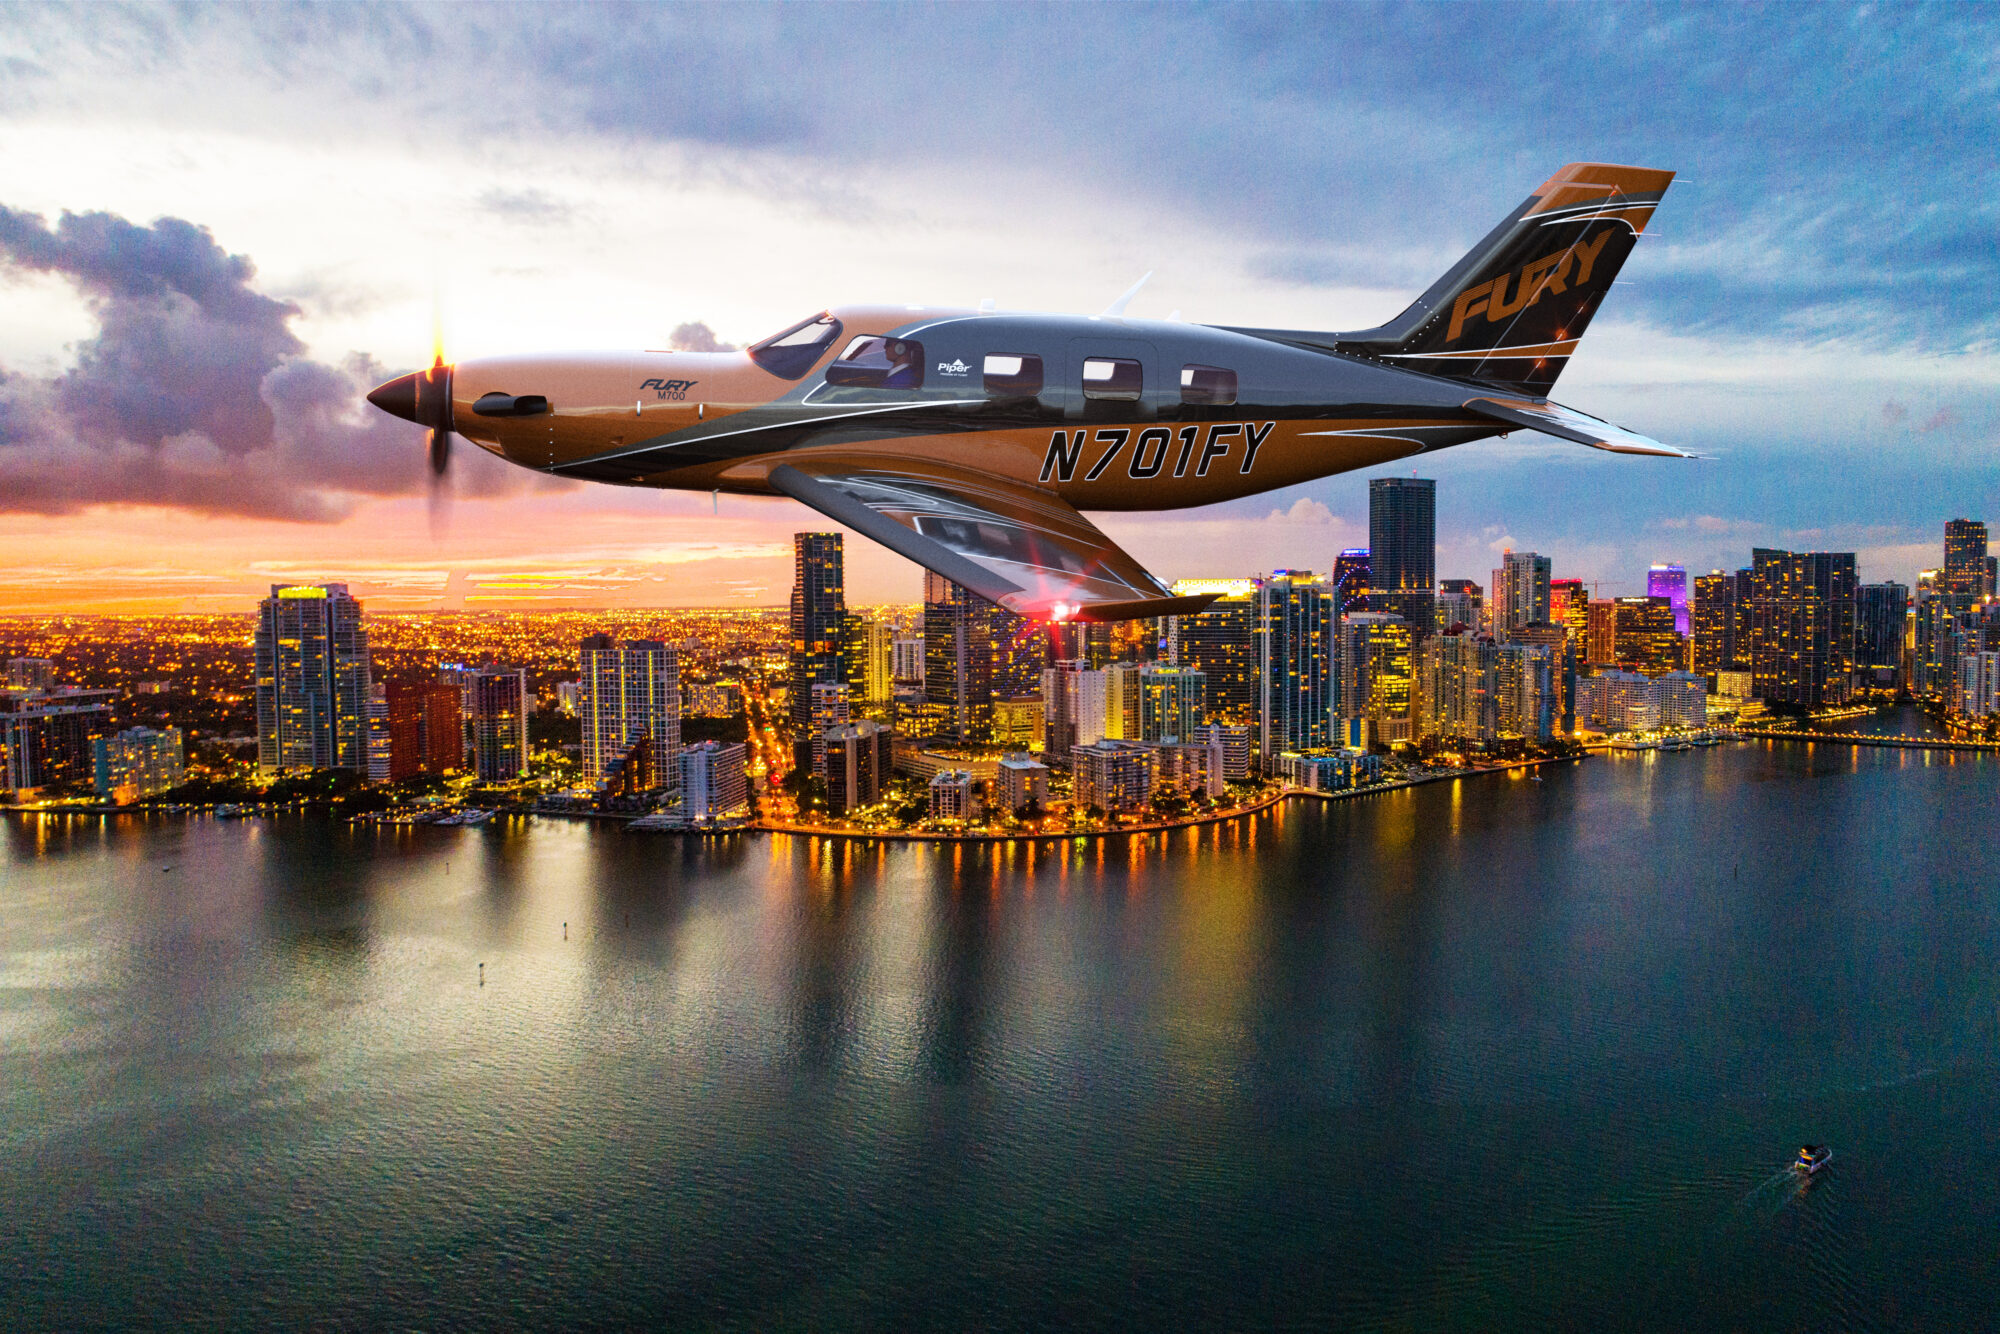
1021 547
1569 424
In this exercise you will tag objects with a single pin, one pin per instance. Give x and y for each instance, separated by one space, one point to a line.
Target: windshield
795 351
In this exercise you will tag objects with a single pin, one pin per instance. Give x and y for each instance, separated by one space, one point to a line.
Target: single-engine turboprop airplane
969 441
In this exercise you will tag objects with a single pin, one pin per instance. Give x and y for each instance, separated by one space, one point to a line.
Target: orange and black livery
971 440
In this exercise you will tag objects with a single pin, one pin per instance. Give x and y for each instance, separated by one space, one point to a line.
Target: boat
1812 1159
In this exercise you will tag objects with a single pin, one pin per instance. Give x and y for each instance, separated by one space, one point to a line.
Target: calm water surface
1496 1054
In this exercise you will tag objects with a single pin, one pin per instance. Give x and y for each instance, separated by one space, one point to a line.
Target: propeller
424 397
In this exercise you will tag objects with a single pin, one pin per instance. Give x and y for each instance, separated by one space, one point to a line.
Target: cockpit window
879 363
1111 377
1208 384
1015 376
792 353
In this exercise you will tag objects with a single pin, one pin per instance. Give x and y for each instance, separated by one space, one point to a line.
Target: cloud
1942 419
697 337
531 207
194 393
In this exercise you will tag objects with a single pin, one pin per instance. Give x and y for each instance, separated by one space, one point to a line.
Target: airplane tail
1509 314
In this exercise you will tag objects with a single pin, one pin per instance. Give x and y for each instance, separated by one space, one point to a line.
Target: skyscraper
1377 672
1802 626
1712 621
1600 641
819 624
1569 607
426 729
312 681
1402 550
974 653
497 722
1220 642
1881 613
1520 591
1461 602
1646 638
1671 582
1352 577
628 692
1173 703
1965 557
1295 632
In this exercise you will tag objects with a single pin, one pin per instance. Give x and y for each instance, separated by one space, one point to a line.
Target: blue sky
1816 304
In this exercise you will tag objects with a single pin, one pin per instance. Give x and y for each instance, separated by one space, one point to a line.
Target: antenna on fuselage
1117 308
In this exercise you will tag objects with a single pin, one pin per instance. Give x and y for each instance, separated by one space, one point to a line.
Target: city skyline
1842 412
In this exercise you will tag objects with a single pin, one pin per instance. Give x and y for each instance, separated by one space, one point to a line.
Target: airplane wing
1017 545
1569 424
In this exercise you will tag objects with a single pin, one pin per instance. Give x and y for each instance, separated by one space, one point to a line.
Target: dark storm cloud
193 392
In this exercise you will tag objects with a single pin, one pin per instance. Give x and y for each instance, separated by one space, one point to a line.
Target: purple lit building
1671 582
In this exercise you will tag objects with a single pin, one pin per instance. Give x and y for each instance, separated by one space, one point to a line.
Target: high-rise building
1671 582
1402 550
1525 691
1220 641
1234 745
1881 614
855 762
1459 681
906 660
1978 684
312 680
1948 624
974 652
1296 628
1112 776
31 674
1173 702
1712 621
426 729
1561 646
714 783
872 675
819 625
1520 591
1964 568
1461 602
1600 640
1121 701
139 762
1802 626
381 744
1377 672
830 708
497 723
1646 639
629 692
1352 579
1074 705
1569 607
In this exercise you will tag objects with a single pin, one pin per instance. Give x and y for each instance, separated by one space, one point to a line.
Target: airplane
970 441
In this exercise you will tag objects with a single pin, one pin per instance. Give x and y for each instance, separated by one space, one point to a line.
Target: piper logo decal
956 367
1550 273
1154 446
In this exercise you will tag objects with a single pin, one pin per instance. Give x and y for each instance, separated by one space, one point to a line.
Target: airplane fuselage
1109 414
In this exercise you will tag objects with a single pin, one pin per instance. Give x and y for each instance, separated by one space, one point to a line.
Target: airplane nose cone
398 397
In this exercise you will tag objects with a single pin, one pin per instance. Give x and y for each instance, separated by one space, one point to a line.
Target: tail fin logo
1492 301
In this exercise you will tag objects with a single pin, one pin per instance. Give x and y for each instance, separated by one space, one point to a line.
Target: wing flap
1569 424
1016 545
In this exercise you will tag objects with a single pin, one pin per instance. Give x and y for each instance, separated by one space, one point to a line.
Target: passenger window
1111 377
1019 377
793 352
1208 384
879 363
